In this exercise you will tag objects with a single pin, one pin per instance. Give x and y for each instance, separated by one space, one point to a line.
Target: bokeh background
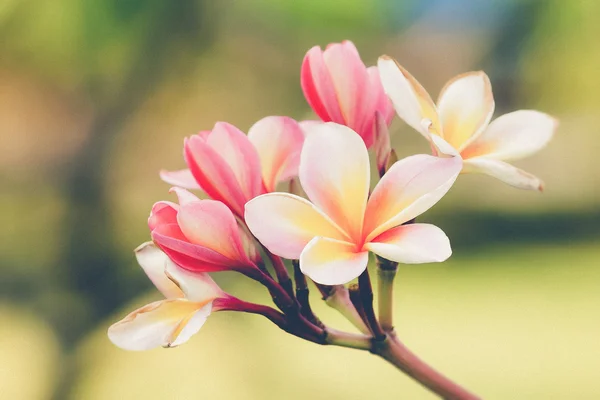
96 97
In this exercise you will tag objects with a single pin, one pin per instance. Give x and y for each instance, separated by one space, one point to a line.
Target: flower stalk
396 353
366 297
338 298
386 272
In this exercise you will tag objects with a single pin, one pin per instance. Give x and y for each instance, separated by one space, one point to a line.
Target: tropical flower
332 233
462 119
201 235
189 300
234 168
339 88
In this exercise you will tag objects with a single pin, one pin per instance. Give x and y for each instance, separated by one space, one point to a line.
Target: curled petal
411 101
334 173
166 323
211 224
237 151
183 195
383 103
163 212
514 135
332 262
350 80
154 261
196 286
410 187
278 141
190 256
182 178
505 172
412 244
465 108
382 145
213 174
318 88
285 223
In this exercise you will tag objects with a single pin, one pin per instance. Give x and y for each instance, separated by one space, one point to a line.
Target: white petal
505 172
163 323
412 244
153 261
514 135
332 262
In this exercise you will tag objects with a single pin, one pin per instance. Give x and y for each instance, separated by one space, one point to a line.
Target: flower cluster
244 224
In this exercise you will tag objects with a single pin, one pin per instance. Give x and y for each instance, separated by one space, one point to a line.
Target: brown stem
393 351
302 295
366 297
282 275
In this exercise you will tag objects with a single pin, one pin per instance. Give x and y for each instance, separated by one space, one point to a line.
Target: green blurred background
96 97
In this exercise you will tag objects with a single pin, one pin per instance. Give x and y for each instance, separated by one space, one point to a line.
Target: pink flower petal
183 195
382 145
383 103
505 172
166 323
332 262
412 244
154 261
411 101
190 256
163 212
350 80
285 223
334 173
182 178
278 141
514 135
211 224
410 187
465 107
241 156
213 174
318 88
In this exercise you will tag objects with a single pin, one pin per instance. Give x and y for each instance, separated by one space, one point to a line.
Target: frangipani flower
339 88
462 119
201 235
332 233
234 168
189 300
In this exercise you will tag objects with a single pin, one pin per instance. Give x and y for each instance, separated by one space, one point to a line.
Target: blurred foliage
96 97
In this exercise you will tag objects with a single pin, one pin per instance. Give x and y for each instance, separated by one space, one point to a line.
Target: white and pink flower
332 233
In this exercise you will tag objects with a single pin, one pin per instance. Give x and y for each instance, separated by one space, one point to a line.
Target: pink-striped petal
514 135
211 224
154 261
278 142
465 108
334 173
332 262
318 88
241 156
505 172
213 174
166 323
383 103
285 223
411 101
350 80
412 244
182 178
382 145
163 212
410 187
190 256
